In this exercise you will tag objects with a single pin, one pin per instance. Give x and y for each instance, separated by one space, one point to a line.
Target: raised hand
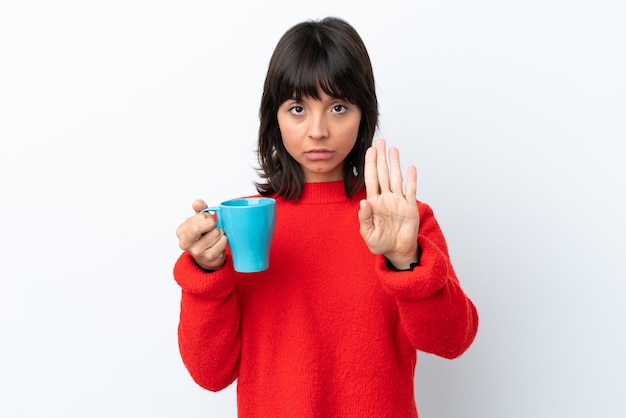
200 237
389 218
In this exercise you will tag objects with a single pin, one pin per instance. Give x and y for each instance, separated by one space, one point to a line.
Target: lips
319 154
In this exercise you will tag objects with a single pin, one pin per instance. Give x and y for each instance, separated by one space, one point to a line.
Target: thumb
366 218
198 205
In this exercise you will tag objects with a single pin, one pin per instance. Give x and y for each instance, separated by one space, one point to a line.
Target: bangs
309 82
318 68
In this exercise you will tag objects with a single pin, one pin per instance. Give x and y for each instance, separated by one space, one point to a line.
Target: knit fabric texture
328 330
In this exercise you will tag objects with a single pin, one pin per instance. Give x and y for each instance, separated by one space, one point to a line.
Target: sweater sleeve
435 312
208 332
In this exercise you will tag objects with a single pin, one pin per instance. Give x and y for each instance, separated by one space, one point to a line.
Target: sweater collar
327 192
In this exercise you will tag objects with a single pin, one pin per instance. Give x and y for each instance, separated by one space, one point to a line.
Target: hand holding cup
200 237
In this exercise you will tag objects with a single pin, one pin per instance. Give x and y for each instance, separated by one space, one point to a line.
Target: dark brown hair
329 55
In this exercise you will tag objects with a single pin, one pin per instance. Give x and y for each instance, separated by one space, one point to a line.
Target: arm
435 312
208 332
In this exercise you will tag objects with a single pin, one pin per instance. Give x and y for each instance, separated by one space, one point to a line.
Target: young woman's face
319 134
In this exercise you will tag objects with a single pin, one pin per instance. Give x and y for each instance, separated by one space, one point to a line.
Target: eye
339 109
296 110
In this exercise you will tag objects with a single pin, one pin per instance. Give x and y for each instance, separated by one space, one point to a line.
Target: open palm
389 218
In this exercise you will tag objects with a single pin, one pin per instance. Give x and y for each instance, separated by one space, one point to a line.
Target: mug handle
214 209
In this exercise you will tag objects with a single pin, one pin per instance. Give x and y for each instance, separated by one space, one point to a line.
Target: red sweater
328 330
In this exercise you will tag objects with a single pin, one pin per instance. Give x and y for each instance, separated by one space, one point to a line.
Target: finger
369 173
212 256
193 229
201 225
395 171
216 250
208 240
382 169
216 240
198 205
411 185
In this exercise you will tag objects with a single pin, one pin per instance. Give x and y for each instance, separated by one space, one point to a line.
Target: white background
115 115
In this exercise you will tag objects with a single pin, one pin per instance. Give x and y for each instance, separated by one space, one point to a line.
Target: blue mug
248 223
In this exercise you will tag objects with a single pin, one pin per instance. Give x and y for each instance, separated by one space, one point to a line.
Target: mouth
319 154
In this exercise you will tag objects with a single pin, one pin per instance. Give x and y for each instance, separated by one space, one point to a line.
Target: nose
318 127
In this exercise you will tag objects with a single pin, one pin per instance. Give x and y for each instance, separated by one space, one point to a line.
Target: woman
359 278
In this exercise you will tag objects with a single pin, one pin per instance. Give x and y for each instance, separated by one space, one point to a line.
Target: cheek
292 135
355 125
350 134
288 138
286 131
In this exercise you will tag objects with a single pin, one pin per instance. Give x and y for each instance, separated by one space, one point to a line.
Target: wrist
211 267
404 262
